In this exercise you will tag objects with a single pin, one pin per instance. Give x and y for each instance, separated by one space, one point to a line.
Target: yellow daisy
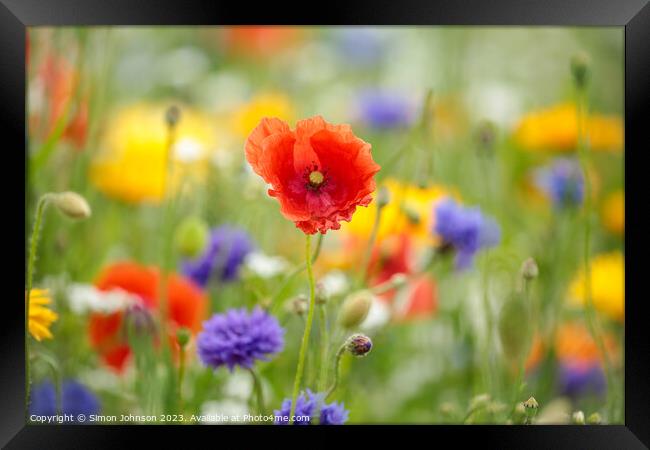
556 129
131 164
40 316
607 285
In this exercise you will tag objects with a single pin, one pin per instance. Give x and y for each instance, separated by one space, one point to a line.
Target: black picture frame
633 15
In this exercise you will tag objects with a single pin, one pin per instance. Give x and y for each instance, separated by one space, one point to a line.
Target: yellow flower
409 210
556 129
263 105
614 212
607 285
131 164
40 317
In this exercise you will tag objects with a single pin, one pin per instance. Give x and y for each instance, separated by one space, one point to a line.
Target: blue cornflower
362 46
385 109
75 399
563 182
238 338
309 406
222 258
466 230
576 380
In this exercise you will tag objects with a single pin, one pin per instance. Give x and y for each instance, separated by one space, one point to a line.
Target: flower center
316 178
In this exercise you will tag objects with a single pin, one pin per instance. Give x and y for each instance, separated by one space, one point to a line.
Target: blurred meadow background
149 124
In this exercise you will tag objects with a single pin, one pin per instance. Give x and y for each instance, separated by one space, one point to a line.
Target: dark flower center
315 178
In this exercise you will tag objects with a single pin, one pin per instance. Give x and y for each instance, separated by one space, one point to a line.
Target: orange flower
319 172
258 41
187 306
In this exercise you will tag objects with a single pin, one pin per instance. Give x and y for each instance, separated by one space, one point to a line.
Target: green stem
589 310
305 337
257 388
522 359
337 364
489 324
181 375
322 320
31 260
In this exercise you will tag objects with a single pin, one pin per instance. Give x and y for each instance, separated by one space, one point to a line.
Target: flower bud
72 205
531 406
358 345
580 69
383 197
529 269
355 309
486 136
299 305
321 294
138 320
512 329
191 236
479 401
594 419
578 418
183 336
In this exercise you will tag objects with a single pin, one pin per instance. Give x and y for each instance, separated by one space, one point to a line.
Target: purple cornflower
385 109
310 405
75 399
222 258
576 380
563 182
362 46
464 229
238 338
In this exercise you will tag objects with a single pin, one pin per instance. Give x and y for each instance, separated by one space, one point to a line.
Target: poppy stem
31 259
305 337
257 389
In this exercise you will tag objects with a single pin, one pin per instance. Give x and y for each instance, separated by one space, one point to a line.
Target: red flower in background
259 40
187 306
59 82
319 172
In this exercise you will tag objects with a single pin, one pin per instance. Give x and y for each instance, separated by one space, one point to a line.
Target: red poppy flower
319 172
187 306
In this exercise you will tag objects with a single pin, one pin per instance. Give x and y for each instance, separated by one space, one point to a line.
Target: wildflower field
325 225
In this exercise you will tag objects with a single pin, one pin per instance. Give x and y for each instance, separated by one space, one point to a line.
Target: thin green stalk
31 260
305 337
324 345
257 389
522 359
589 309
489 324
337 364
181 375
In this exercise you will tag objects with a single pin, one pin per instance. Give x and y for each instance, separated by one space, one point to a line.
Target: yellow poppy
556 129
613 212
607 285
132 161
246 118
40 316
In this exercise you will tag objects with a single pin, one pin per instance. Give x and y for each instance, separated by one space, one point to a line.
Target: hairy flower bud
529 269
580 69
183 336
578 418
299 305
191 236
358 345
383 197
72 205
172 115
321 294
355 309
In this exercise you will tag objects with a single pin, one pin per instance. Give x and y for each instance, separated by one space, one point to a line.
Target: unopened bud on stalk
594 419
355 309
529 269
580 69
72 205
172 115
321 294
578 418
299 305
486 135
531 406
183 336
412 215
383 197
358 345
191 236
479 401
